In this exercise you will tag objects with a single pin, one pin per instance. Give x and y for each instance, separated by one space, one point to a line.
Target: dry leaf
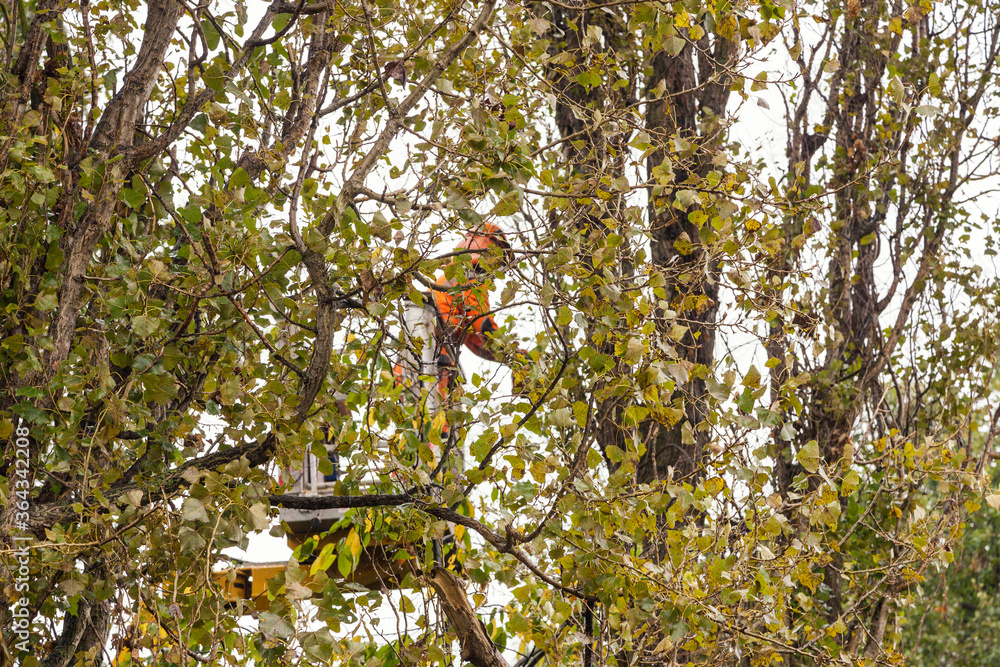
395 69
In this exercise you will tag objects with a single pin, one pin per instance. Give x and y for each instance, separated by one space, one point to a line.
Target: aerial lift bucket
417 369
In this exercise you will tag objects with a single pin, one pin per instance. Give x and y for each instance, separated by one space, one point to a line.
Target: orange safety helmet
481 238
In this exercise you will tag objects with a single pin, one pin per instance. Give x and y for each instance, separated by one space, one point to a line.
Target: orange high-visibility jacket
464 313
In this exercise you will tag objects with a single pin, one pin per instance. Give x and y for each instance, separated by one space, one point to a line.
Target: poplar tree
756 405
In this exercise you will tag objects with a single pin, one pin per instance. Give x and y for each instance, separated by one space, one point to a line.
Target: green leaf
280 21
563 417
193 510
896 90
850 483
673 45
31 119
589 79
745 401
211 34
215 78
240 179
634 351
276 626
72 587
716 389
508 204
808 456
259 516
325 559
345 564
144 326
752 379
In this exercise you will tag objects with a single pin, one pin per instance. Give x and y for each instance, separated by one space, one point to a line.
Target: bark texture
477 647
690 111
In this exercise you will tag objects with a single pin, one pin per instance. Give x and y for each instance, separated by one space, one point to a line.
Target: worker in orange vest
454 314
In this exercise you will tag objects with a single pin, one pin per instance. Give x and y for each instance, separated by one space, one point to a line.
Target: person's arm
479 340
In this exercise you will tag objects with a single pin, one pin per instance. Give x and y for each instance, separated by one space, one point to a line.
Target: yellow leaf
325 559
664 646
353 543
726 27
714 485
440 422
993 500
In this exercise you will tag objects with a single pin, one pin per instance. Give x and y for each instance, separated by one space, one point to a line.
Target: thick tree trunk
593 158
692 95
116 129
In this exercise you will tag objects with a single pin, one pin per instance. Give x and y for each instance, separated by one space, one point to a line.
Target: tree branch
477 647
392 128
